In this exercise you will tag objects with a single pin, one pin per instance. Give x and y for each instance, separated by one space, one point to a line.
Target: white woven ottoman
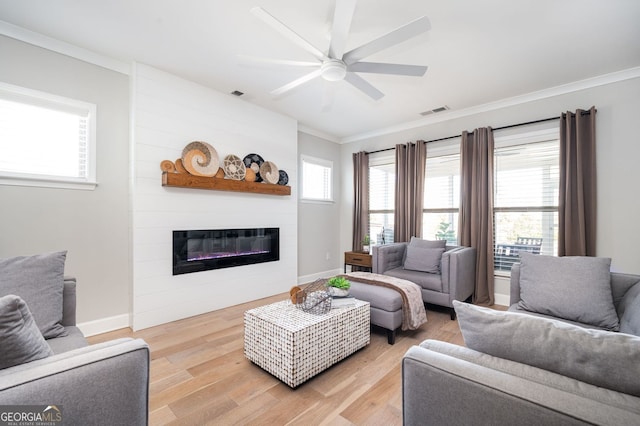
294 345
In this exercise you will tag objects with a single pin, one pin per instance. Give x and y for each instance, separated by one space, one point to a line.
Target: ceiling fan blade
342 17
295 83
394 37
395 69
268 61
364 86
287 32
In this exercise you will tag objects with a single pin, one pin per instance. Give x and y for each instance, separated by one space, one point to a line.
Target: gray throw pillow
601 358
423 259
575 288
419 242
20 339
39 281
630 311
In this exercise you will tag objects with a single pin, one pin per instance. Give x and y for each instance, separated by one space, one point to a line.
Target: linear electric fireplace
195 251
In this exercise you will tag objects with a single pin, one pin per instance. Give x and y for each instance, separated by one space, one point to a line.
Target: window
526 173
316 179
525 195
46 140
442 191
382 182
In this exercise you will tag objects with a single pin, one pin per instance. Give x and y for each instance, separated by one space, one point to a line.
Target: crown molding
317 133
40 40
563 89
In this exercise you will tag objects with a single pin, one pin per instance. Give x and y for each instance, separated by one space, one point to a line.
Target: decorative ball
200 159
293 294
180 167
234 168
168 166
250 175
254 161
220 173
269 172
283 178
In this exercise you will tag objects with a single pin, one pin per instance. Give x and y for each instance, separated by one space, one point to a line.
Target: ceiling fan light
333 70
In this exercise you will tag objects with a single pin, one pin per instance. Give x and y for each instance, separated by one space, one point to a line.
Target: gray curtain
360 198
577 203
409 201
476 207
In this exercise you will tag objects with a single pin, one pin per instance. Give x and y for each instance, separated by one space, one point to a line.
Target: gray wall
319 223
91 225
618 150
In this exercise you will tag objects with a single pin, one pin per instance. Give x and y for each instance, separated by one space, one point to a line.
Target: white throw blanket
413 312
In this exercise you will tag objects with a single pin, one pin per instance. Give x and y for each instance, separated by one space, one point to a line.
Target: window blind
317 179
382 178
41 141
442 191
525 199
46 140
526 176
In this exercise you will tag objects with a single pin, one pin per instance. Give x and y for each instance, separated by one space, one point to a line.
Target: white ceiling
477 51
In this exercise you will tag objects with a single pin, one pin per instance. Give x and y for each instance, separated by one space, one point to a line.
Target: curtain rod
497 128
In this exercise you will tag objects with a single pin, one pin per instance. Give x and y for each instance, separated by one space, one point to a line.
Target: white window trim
320 162
36 97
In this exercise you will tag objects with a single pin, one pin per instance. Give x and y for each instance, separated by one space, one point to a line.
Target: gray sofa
446 384
529 369
456 280
102 384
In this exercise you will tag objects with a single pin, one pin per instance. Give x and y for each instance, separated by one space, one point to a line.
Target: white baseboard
305 279
501 299
104 325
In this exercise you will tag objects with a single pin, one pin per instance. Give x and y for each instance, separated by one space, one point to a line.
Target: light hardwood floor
199 375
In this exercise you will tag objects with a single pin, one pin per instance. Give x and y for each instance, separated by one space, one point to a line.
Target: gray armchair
102 384
456 280
533 385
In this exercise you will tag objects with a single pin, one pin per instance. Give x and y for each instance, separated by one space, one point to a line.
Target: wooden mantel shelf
184 180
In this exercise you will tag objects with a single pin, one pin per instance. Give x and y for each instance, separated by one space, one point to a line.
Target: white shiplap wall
167 113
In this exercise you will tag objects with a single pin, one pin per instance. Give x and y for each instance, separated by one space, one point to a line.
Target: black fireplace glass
202 250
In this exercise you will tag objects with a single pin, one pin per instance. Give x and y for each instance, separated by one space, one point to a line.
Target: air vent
435 110
237 93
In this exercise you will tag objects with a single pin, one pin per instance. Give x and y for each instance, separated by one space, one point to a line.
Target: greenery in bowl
339 282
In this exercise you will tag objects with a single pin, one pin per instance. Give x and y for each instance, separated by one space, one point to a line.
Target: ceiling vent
237 93
435 110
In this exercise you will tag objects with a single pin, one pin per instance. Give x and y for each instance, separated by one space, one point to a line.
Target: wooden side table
355 258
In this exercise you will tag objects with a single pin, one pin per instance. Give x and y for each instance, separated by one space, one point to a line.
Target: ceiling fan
336 64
